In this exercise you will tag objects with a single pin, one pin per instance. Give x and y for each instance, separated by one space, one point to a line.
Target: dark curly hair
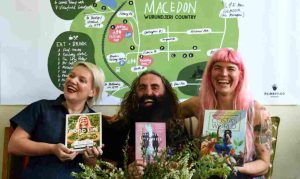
129 105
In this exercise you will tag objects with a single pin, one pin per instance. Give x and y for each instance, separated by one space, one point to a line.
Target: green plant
212 165
176 166
102 169
186 163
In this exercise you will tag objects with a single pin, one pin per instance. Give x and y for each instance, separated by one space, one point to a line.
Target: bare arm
262 140
190 107
21 144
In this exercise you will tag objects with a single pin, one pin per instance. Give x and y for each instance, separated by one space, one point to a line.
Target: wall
287 159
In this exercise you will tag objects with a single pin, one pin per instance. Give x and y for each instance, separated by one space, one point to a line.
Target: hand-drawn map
127 37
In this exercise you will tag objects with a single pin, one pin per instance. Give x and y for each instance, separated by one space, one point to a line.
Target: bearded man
151 99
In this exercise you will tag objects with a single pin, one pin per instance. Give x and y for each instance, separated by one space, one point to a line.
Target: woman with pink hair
224 87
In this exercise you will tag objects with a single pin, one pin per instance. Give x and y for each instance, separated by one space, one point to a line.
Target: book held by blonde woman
83 130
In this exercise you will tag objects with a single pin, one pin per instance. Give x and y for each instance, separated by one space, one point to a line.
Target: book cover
224 132
83 130
150 140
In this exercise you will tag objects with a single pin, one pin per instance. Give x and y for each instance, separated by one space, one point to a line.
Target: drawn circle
132 47
125 21
184 55
191 55
103 8
195 47
112 26
122 62
145 61
130 2
173 55
94 4
162 47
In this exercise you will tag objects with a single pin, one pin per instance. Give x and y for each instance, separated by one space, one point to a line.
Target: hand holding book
91 154
224 133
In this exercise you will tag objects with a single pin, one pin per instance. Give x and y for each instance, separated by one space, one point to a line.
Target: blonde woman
40 127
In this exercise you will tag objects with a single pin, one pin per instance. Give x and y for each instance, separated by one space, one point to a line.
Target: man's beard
158 111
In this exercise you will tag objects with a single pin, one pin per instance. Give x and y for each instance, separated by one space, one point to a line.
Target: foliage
212 165
101 170
177 166
186 163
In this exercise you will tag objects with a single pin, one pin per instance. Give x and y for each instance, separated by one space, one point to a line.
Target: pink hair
242 98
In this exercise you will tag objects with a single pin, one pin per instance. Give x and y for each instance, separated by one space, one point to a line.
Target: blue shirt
44 121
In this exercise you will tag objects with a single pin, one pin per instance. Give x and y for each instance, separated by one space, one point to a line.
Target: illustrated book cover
150 140
224 133
83 130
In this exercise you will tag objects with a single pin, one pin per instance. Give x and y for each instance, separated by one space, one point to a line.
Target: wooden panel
12 165
6 160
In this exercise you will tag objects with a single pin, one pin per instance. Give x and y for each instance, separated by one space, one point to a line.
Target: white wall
287 159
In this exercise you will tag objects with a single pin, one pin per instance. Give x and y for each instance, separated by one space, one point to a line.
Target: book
224 133
83 130
150 140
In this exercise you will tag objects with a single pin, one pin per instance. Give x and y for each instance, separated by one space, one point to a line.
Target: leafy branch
183 164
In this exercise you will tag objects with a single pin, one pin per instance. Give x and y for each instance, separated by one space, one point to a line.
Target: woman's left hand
91 154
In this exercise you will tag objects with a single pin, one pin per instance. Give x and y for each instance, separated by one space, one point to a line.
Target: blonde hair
98 80
79 122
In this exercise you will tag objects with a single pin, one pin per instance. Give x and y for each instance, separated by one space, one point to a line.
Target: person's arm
190 107
262 140
229 139
114 139
21 144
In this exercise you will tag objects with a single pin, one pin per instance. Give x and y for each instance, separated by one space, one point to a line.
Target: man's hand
63 153
136 170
